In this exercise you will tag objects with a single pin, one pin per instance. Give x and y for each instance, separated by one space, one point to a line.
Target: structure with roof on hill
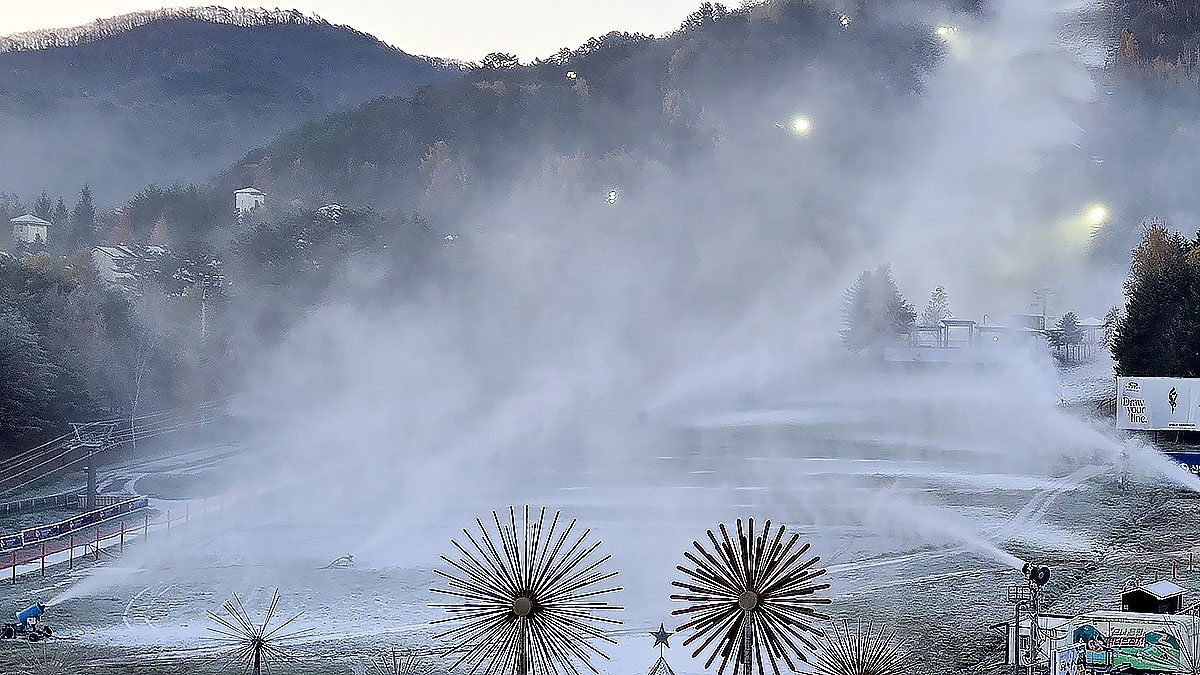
29 229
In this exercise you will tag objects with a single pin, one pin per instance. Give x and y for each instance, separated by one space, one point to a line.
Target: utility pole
192 275
1043 295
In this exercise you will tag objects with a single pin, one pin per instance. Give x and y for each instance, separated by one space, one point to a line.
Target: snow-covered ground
912 499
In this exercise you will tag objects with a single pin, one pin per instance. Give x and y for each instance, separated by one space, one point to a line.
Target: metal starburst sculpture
751 595
253 647
56 661
396 662
861 650
526 600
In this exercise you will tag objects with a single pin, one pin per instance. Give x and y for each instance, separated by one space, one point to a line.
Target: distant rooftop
249 191
28 219
1162 590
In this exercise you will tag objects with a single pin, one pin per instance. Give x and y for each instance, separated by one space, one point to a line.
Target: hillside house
247 199
122 265
29 229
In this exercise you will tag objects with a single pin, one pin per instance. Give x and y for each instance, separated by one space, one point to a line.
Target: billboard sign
1158 403
1131 645
1070 660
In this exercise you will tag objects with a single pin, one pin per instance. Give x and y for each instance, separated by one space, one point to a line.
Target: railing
93 542
61 500
45 533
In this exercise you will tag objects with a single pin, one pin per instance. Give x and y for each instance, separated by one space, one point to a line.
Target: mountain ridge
105 27
176 95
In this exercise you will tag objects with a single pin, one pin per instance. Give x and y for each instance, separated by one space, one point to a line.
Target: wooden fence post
97 542
146 528
43 558
71 555
122 536
14 566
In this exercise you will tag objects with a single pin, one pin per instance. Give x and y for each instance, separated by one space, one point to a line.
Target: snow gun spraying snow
1037 574
27 624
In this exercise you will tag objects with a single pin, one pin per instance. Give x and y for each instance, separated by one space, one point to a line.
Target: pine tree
874 311
1157 332
26 388
10 207
856 312
1111 321
42 207
938 308
1069 332
82 230
60 215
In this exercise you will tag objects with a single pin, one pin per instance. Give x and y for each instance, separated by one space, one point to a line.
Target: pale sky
461 29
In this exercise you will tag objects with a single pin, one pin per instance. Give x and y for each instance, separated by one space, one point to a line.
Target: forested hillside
176 95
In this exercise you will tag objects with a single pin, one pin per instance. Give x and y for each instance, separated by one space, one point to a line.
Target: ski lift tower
96 437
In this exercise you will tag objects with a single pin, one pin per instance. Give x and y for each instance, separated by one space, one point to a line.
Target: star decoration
661 636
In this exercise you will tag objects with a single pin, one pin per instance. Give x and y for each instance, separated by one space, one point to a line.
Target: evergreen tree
42 207
938 308
856 312
1111 321
10 207
60 215
1069 332
26 388
81 230
1156 333
874 312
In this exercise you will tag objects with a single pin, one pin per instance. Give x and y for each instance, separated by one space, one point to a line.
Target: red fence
88 541
43 533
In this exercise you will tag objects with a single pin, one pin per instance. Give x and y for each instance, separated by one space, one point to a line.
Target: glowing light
571 75
611 197
801 126
1097 215
945 31
845 21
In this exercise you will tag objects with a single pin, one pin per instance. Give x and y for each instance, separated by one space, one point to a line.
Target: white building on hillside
115 264
248 199
29 229
122 265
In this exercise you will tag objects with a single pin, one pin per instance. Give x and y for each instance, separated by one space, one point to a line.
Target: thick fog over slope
667 359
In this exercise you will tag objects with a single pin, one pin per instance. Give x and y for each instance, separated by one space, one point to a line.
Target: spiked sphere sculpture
395 662
249 646
58 661
861 650
526 601
753 595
